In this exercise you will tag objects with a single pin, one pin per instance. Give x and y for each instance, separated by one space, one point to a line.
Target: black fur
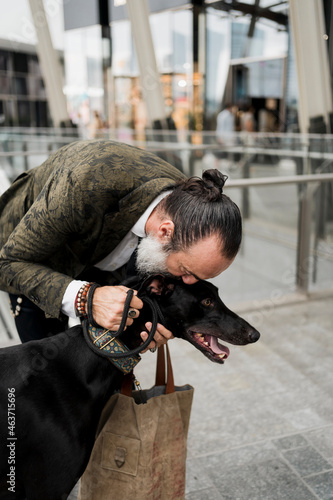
61 387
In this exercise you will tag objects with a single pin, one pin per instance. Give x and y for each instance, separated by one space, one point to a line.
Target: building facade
23 100
208 52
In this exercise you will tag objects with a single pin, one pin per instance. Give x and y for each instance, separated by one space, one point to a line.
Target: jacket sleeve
56 216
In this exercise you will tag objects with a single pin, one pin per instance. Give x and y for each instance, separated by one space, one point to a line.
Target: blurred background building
207 53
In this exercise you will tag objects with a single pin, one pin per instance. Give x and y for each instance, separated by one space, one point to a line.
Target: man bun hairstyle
199 209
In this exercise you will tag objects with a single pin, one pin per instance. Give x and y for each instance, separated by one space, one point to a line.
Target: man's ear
159 285
165 231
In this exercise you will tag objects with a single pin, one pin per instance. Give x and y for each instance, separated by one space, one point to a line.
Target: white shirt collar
139 227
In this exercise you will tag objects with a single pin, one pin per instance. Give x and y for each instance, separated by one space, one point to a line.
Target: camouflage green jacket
67 214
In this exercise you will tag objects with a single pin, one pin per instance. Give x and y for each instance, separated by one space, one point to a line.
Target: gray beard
151 257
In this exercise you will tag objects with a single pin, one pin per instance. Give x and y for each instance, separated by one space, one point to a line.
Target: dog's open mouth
210 346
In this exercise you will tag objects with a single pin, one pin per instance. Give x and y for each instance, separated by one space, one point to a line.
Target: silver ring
153 349
131 313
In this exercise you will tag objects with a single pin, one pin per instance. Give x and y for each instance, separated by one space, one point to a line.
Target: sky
16 21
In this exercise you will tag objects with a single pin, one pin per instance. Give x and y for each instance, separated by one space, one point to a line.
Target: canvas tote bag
140 452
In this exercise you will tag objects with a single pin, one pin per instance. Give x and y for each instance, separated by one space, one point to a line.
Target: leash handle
122 325
132 352
151 334
127 303
89 304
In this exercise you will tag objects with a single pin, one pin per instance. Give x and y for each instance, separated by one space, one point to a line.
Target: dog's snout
254 336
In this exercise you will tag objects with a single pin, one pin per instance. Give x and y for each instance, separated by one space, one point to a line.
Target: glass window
265 78
182 102
2 114
34 66
218 55
21 86
229 75
5 85
267 40
20 62
161 28
94 72
123 93
36 87
122 48
182 44
24 114
84 69
172 38
41 114
4 60
11 114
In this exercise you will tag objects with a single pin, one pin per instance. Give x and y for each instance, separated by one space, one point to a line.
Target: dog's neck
123 350
105 341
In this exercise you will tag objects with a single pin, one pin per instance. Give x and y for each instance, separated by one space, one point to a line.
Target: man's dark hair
198 209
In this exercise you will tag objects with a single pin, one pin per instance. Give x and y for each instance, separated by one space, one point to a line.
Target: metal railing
311 158
305 216
305 149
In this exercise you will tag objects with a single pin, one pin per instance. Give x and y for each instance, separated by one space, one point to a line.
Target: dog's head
197 314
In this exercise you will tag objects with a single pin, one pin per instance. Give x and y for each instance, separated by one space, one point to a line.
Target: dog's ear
159 285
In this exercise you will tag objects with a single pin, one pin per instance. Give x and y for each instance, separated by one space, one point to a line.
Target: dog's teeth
206 343
221 355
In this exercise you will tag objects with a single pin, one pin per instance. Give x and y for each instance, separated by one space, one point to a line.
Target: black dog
53 390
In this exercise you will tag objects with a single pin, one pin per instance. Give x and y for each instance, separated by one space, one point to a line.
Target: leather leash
99 341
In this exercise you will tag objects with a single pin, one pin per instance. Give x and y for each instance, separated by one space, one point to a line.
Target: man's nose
189 280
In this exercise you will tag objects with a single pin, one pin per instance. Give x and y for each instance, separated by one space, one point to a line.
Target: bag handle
160 370
126 387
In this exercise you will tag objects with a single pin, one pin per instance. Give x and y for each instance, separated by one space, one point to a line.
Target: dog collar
109 344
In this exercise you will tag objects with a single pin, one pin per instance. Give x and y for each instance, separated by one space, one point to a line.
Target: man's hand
108 306
161 336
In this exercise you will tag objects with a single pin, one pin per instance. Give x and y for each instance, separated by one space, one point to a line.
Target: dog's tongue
215 346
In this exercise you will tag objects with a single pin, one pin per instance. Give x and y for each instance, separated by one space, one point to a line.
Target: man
225 126
79 216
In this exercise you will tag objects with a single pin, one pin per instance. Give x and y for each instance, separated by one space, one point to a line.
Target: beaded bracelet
81 299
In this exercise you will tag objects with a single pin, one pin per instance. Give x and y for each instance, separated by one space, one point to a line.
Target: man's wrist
81 300
68 301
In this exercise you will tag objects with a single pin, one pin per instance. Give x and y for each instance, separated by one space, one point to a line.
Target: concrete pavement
262 424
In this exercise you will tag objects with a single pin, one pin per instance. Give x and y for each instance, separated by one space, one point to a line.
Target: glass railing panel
266 264
265 267
21 150
321 243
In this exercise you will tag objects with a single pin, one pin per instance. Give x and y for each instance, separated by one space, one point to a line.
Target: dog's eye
207 302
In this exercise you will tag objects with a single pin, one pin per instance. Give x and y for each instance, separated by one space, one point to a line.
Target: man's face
203 260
